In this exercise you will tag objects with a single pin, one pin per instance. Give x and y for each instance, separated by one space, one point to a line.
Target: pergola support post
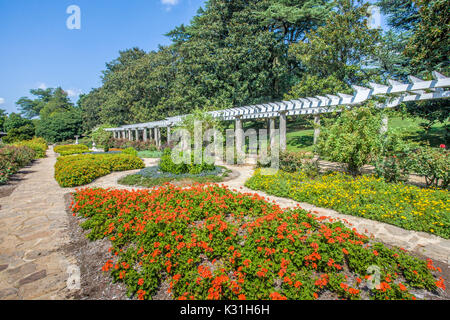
272 133
168 135
316 128
239 134
283 144
158 137
144 134
384 124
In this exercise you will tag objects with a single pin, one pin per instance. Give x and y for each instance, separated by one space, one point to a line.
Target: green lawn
149 154
302 140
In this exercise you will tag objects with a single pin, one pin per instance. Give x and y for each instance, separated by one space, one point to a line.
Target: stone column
239 135
129 135
168 135
272 133
283 144
136 132
144 134
155 136
158 137
316 128
384 124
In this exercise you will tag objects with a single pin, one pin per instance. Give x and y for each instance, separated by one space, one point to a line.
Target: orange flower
277 296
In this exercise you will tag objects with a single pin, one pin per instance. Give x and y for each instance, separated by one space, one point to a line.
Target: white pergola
396 93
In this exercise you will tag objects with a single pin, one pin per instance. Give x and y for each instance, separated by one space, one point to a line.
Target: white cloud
170 2
72 93
42 86
2 100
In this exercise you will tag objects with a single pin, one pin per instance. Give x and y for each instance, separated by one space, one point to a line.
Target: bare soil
91 256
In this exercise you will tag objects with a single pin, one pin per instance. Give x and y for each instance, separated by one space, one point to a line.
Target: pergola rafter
396 92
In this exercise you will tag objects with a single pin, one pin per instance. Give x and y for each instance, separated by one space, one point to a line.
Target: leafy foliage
13 158
353 138
168 165
60 126
39 145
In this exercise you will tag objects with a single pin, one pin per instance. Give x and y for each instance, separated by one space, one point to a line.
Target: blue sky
38 50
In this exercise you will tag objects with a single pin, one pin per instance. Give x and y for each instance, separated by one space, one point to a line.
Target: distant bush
39 145
66 150
148 145
291 161
13 158
131 151
78 170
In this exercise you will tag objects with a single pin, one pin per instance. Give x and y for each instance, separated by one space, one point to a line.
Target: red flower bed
208 242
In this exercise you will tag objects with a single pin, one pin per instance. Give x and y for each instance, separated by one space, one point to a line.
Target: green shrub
13 158
39 145
131 151
148 145
167 165
353 138
394 161
433 164
70 149
77 170
291 161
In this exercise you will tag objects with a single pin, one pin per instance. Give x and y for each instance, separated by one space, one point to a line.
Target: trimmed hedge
39 145
78 170
70 149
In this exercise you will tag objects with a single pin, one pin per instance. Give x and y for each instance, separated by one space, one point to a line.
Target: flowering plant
207 242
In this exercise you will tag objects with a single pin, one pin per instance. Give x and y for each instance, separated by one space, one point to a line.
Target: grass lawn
149 154
302 140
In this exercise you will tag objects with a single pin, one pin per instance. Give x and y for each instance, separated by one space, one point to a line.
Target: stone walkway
33 226
33 230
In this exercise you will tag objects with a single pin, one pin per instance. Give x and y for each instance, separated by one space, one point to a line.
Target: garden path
33 234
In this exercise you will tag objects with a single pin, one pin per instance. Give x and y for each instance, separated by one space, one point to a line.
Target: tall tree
338 54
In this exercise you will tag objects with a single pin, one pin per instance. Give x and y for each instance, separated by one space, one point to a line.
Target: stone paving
33 230
33 226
